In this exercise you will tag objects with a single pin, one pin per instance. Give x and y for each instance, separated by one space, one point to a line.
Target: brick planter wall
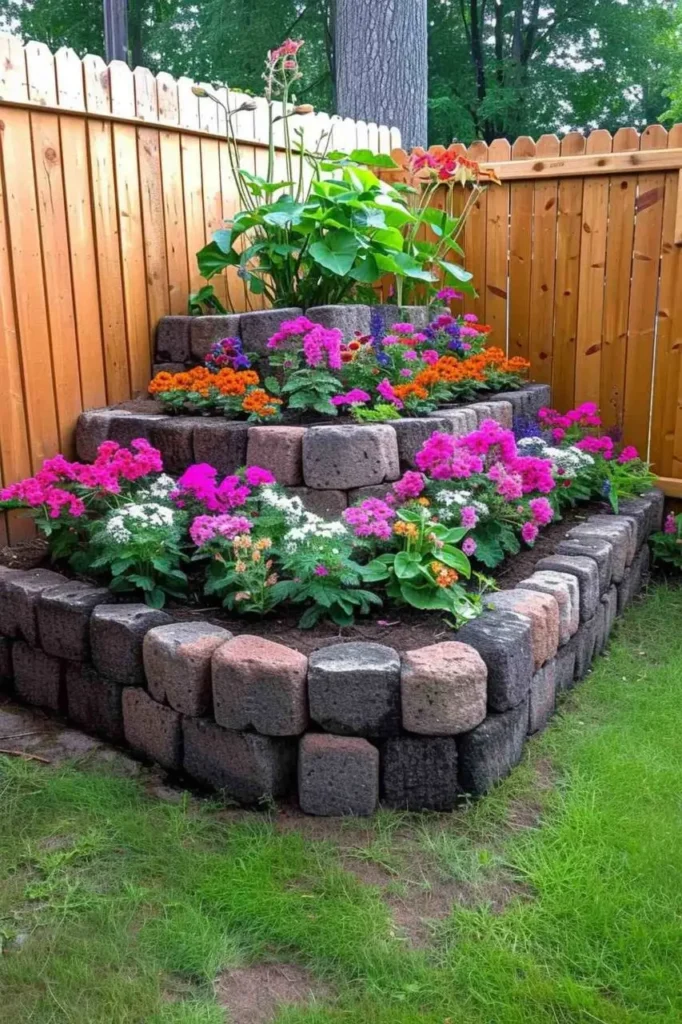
352 724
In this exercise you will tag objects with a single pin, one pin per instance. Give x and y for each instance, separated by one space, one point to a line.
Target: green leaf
455 560
366 270
375 571
370 159
212 260
156 598
336 252
406 564
272 385
426 598
310 617
369 217
409 267
223 239
454 270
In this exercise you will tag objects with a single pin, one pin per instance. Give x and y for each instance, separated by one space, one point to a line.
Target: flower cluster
371 518
227 354
215 387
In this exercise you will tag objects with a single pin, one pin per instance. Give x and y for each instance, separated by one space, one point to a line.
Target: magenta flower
670 525
256 475
206 528
385 389
542 511
409 486
469 546
321 570
469 517
371 518
529 533
356 396
628 454
471 318
448 294
403 328
430 356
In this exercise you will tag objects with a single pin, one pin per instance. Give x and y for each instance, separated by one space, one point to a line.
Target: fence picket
171 189
543 270
520 253
497 250
567 278
475 241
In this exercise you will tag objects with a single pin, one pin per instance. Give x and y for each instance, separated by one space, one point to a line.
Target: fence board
520 254
497 250
567 277
171 189
475 241
542 273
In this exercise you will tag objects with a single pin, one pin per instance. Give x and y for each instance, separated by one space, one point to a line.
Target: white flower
317 529
120 527
449 498
160 488
116 530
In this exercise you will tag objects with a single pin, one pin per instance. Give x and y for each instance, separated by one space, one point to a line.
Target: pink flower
628 454
206 528
470 318
321 570
542 511
670 525
597 446
469 546
558 434
410 354
385 389
370 518
468 332
406 372
529 532
353 397
444 459
290 329
256 475
447 294
403 328
430 356
409 486
469 517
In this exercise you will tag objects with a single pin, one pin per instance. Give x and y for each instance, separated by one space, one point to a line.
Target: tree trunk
381 68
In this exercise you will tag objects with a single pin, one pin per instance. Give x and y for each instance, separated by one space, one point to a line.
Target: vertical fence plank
133 267
520 254
497 250
54 243
103 186
566 287
210 173
81 232
617 285
190 148
592 272
475 240
171 188
230 206
642 315
543 270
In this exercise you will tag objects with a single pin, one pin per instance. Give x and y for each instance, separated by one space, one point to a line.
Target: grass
119 909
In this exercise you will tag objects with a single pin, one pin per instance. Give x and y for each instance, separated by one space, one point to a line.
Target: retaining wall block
565 668
64 618
349 319
19 593
5 660
221 443
418 316
38 678
585 571
641 511
420 773
344 457
599 550
257 327
601 631
616 534
328 504
337 775
173 436
542 697
245 766
260 684
490 751
92 430
152 729
535 397
354 689
634 579
503 639
158 368
177 664
610 599
463 419
443 689
172 338
279 449
584 645
358 494
94 703
656 502
412 434
125 427
564 589
205 330
116 635
543 613
604 520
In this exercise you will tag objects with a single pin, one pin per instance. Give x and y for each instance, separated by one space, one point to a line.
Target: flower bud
199 90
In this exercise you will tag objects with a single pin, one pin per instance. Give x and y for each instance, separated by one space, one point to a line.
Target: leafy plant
666 545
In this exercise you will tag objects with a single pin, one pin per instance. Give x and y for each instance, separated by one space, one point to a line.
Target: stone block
501 411
64 618
358 494
413 433
354 689
483 411
418 316
168 368
638 510
94 703
92 430
656 502
564 589
261 685
535 397
349 319
220 443
38 678
177 664
503 639
543 613
19 593
601 634
245 766
257 328
585 571
542 697
173 436
126 427
279 449
599 550
345 457
634 579
584 644
616 534
337 775
328 504
419 773
610 600
172 338
116 635
463 419
565 668
608 522
151 729
443 689
5 659
205 330
490 751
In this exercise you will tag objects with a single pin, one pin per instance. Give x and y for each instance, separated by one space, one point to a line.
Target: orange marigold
261 402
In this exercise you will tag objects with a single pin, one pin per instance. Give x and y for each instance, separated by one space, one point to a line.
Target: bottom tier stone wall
350 725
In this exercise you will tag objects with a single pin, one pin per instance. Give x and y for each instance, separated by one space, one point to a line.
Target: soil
254 994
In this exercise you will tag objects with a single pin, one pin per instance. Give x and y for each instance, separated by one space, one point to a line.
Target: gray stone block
177 664
38 678
354 689
612 523
337 775
172 339
92 430
220 443
328 504
94 703
600 551
542 697
152 729
64 618
564 589
565 668
503 639
639 511
413 433
358 494
125 427
610 600
634 579
245 766
535 397
601 634
617 534
173 436
19 593
419 773
5 659
257 328
116 635
205 330
349 319
345 457
279 449
656 502
584 644
463 419
490 751
541 610
443 689
418 316
585 571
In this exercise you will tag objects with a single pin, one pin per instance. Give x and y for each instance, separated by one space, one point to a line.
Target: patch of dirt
27 554
253 995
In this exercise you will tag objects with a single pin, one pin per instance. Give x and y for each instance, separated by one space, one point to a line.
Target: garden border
233 713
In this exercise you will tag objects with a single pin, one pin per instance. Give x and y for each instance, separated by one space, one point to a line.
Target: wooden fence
111 181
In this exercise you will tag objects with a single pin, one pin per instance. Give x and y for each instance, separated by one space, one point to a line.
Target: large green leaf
455 559
362 156
406 565
284 213
426 597
409 267
211 260
454 270
368 217
336 251
366 270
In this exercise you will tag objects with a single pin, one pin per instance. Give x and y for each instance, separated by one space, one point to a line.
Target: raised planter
361 722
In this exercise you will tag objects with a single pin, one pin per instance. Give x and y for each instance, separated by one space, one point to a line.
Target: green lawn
566 882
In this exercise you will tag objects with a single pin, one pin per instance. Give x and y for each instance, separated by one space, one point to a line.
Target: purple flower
356 396
529 532
469 517
670 524
469 546
255 476
448 294
321 570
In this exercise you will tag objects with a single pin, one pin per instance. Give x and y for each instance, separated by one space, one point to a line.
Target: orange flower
261 403
202 381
